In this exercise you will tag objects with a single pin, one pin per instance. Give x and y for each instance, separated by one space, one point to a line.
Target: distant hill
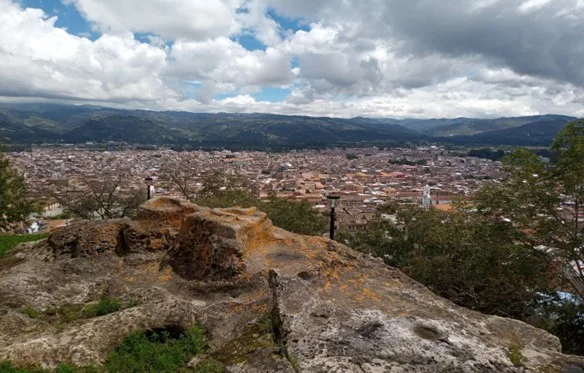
51 123
128 129
471 126
532 134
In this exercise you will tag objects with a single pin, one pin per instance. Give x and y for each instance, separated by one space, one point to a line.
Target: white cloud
38 59
172 19
372 58
531 5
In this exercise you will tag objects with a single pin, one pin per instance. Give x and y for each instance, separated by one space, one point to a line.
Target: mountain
472 126
119 128
22 128
51 123
540 133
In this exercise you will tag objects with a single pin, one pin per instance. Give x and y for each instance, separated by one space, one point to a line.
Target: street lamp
149 184
333 201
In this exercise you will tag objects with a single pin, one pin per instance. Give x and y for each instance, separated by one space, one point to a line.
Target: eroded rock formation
327 308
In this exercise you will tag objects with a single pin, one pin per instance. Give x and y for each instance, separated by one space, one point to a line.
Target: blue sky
393 58
68 16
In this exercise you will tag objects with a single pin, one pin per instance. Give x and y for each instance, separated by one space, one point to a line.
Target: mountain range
59 124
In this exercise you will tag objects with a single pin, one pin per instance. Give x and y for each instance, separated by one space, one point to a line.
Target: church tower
426 198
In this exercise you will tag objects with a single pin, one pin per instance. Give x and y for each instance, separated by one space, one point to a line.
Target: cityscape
276 186
364 178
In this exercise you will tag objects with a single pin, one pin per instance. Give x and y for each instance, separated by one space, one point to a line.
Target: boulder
270 300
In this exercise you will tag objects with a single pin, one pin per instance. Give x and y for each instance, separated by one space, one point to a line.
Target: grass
30 312
210 367
158 351
514 355
103 307
165 351
10 241
71 312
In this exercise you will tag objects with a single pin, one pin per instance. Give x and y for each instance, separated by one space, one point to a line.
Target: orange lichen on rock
328 307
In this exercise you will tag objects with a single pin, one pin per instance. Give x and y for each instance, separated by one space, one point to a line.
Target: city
365 178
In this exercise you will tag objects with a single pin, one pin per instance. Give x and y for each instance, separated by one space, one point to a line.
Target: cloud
172 19
377 58
38 59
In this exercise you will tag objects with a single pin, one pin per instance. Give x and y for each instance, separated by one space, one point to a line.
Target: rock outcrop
327 308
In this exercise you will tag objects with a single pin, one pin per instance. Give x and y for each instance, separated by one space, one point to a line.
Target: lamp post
333 201
149 184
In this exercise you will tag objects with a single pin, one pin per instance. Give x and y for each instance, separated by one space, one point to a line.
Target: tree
14 207
105 199
293 216
182 177
543 202
219 190
216 182
472 261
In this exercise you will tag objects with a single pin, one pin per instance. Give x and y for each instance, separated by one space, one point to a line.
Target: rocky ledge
328 308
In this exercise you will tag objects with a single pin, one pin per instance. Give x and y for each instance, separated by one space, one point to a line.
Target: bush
30 312
165 351
157 351
105 306
293 216
476 263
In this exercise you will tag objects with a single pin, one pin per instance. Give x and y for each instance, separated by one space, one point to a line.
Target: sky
340 58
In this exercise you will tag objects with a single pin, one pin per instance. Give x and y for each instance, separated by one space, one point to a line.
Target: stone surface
271 301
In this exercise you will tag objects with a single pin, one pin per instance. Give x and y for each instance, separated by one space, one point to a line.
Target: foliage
218 181
105 306
150 351
220 190
563 317
297 217
514 354
14 207
351 156
471 261
210 367
7 367
531 194
182 177
156 351
10 241
30 312
228 198
487 153
105 199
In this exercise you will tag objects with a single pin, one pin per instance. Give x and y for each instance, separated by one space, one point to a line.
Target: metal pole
332 226
148 192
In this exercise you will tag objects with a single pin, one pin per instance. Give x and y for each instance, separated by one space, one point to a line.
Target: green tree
220 190
534 196
293 216
14 207
472 261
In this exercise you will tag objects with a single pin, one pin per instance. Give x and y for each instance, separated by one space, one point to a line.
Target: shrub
105 306
157 351
30 312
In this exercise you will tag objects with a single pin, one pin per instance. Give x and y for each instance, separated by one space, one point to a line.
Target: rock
211 243
271 301
88 238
